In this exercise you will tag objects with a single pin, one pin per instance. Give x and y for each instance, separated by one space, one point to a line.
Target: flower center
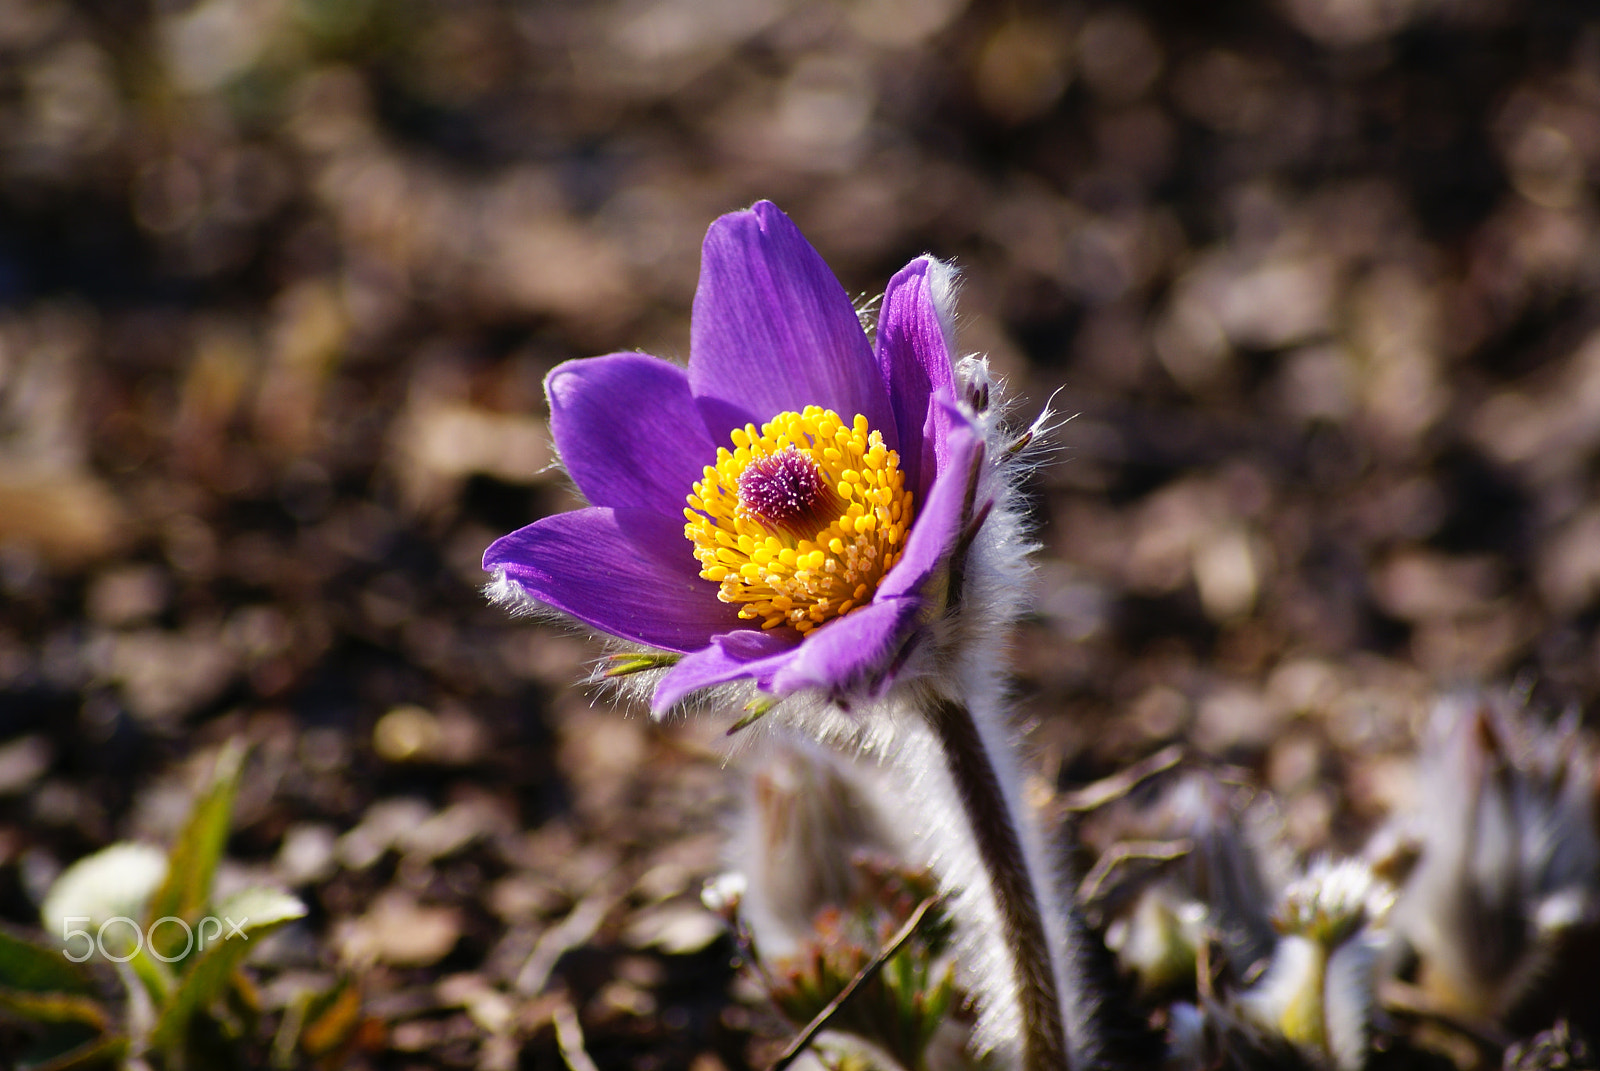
787 491
801 520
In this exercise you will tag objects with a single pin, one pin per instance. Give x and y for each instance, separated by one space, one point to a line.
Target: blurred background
280 279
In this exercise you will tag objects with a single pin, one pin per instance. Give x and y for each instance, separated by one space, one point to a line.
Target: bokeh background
280 279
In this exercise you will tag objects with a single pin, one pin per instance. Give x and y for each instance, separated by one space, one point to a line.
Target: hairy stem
998 835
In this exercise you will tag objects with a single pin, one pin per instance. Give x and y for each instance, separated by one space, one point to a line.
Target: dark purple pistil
786 490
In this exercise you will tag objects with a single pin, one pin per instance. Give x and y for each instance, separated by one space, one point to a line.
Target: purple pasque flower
787 508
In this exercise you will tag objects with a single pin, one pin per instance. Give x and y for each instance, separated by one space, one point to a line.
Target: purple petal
628 431
914 356
942 514
854 651
629 572
752 653
773 331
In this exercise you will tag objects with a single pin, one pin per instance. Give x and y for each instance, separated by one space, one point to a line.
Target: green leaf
155 978
36 968
192 863
245 916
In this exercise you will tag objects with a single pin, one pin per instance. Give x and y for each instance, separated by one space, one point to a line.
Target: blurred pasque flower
1200 863
1510 854
1314 1004
789 507
1318 992
808 814
824 885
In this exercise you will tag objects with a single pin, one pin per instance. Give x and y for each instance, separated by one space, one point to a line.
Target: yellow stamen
800 521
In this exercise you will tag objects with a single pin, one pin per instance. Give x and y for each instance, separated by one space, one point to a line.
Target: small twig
579 925
569 1038
1122 854
1098 886
1093 796
863 976
1205 972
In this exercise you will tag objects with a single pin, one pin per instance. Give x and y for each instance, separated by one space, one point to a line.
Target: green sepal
628 663
755 710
